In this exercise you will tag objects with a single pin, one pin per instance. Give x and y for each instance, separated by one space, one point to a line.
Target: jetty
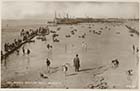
38 32
131 30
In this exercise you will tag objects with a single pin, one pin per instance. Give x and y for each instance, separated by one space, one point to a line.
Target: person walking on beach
48 65
76 62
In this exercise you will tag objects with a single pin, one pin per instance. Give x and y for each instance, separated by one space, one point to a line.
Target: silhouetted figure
76 63
133 49
1 56
22 32
115 63
6 47
43 75
28 51
48 64
49 46
130 72
137 50
23 50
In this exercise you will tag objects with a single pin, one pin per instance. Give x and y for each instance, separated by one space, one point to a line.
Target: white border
30 89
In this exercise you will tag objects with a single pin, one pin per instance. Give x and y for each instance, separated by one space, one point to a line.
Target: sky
46 10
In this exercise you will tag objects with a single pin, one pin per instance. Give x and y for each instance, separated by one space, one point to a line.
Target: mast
55 15
67 15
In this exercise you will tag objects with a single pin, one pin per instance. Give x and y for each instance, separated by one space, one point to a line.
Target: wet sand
95 62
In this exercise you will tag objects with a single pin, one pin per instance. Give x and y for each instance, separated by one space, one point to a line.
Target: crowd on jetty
25 36
10 46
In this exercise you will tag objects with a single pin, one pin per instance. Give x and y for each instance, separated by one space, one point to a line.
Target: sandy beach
96 70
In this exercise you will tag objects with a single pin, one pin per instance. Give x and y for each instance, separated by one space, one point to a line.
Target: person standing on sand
48 65
76 63
23 50
137 55
28 51
133 49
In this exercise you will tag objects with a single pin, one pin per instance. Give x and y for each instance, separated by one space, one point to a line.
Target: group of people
24 34
76 63
82 36
115 63
44 30
72 33
98 33
27 34
25 52
54 37
10 46
136 52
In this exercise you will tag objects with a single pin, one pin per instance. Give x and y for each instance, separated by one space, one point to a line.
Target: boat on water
72 20
65 20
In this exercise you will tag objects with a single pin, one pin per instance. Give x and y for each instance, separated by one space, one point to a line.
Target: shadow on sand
88 69
100 68
82 70
72 74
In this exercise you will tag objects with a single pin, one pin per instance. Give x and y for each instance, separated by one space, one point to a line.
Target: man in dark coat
76 63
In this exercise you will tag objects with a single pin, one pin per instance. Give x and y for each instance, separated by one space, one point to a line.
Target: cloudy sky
42 9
